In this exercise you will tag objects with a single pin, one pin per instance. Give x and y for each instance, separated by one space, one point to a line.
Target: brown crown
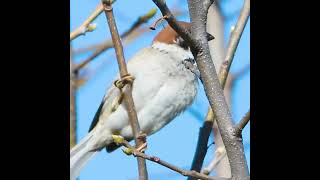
169 35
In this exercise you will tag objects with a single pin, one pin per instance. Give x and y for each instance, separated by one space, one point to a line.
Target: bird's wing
147 74
109 104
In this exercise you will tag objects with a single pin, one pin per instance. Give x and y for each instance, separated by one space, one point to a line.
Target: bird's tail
80 155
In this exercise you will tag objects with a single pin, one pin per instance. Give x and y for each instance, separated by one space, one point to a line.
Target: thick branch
214 92
85 27
168 165
207 4
243 122
109 44
128 93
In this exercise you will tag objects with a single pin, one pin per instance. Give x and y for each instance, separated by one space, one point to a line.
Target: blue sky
176 142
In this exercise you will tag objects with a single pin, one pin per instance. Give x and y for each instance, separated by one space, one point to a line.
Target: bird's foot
127 151
120 83
117 139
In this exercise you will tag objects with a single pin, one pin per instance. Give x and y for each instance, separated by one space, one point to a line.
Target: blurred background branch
73 85
109 44
86 26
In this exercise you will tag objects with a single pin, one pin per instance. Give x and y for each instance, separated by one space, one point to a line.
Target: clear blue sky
176 142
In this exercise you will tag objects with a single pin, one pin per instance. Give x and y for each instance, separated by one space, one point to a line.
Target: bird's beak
209 37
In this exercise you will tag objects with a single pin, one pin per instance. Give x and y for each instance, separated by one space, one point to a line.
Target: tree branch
243 122
109 44
128 93
235 37
86 26
234 146
200 49
136 153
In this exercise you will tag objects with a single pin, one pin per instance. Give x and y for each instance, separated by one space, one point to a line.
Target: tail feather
81 144
79 156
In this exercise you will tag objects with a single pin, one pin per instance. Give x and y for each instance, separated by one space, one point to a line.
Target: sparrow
165 84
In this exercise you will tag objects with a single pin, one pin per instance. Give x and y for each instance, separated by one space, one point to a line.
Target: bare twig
73 123
138 31
243 122
235 37
128 93
141 20
157 160
109 44
86 26
220 154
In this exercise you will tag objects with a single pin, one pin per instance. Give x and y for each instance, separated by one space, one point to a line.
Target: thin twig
243 122
109 44
176 12
235 37
86 26
141 20
157 160
128 93
213 164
